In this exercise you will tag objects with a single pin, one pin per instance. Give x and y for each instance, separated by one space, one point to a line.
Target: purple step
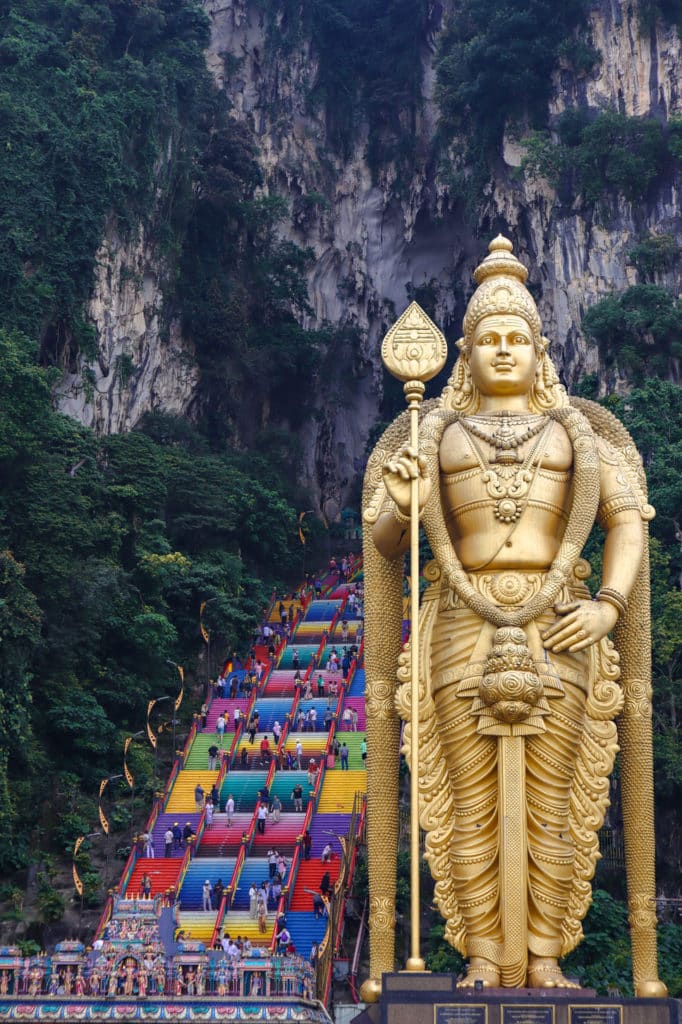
325 828
356 704
163 822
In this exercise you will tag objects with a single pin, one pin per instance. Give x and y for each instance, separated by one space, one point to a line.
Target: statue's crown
501 280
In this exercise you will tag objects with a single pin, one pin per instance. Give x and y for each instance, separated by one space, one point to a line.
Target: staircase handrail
219 920
187 856
288 889
228 894
170 782
133 857
229 758
105 916
281 907
271 605
290 717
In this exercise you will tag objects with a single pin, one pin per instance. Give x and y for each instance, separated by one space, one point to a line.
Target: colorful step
201 869
339 789
162 871
167 820
244 788
310 873
239 923
281 835
182 799
223 840
197 925
197 758
305 929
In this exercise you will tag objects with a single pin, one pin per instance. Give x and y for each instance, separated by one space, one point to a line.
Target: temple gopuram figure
520 685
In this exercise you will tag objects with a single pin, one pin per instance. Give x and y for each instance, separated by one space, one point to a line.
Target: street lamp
104 821
130 778
178 699
77 881
151 735
206 633
301 534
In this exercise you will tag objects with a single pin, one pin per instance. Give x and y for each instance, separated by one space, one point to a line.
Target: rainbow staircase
236 853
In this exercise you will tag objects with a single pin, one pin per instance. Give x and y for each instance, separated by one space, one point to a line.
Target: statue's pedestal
409 998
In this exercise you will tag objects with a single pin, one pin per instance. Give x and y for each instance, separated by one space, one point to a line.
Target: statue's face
503 360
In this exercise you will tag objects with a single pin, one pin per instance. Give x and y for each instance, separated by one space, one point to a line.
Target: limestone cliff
380 237
376 245
142 363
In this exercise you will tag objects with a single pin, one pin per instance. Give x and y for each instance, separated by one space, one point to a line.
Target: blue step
323 611
244 787
271 710
255 869
198 871
305 929
357 687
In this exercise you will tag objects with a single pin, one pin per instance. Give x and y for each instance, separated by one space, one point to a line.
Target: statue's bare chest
500 462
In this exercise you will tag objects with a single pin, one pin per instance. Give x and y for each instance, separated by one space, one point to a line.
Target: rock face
378 240
375 247
142 364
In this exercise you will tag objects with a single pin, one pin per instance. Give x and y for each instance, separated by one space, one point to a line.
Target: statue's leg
472 769
550 767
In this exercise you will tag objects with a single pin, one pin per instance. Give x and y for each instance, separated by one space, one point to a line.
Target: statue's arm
620 517
582 623
391 532
391 536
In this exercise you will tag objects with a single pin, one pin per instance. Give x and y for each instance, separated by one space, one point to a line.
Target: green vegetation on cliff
368 69
495 63
91 94
110 545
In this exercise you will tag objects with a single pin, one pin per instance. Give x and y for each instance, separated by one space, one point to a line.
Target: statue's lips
504 366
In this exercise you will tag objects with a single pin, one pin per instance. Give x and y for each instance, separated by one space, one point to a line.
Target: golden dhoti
460 642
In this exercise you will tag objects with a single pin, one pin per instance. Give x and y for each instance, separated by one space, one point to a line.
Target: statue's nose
504 345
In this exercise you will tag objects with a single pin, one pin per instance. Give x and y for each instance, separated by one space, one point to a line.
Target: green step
197 758
352 741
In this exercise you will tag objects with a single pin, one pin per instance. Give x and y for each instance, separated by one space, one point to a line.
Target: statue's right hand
398 475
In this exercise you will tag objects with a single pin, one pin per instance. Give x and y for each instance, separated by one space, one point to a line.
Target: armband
613 597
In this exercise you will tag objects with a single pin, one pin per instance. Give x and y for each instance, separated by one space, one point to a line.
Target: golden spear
414 351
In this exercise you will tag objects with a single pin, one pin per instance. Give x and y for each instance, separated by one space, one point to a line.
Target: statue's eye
487 339
520 339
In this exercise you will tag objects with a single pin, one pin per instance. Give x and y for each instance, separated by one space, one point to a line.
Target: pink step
227 705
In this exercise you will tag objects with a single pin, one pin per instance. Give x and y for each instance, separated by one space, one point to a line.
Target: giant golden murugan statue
519 684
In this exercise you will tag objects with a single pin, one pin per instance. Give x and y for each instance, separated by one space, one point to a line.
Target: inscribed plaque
595 1014
461 1013
528 1014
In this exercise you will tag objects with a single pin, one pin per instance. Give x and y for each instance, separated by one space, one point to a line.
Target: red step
309 876
163 872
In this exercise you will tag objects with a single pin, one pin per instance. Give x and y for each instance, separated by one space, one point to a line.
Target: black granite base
411 998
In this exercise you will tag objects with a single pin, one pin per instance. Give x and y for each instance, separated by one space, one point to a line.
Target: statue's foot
544 972
481 970
651 989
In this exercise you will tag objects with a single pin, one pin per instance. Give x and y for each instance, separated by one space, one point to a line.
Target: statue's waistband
507 588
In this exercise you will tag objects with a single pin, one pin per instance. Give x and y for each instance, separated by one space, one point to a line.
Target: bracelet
402 519
613 597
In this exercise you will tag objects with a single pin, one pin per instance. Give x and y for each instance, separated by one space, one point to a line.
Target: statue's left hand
579 624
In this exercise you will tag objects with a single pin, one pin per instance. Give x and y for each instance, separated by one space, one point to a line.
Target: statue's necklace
510 492
503 438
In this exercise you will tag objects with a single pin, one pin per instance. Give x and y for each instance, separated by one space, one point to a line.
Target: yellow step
238 922
197 925
339 789
181 799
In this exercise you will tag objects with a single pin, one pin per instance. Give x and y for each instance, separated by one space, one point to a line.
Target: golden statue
519 683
